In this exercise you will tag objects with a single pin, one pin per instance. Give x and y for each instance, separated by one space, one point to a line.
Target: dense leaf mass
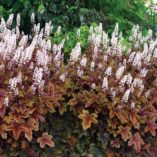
73 13
102 102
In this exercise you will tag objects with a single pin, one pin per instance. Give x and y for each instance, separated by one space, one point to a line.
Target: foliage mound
101 103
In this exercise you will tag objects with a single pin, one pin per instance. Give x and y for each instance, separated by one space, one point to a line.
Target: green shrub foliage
73 13
99 103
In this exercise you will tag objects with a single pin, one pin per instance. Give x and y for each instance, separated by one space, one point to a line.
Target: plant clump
108 91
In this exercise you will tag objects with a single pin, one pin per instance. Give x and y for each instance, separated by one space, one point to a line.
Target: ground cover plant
99 103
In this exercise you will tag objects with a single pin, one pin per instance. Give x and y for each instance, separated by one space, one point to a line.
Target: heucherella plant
108 92
29 77
117 90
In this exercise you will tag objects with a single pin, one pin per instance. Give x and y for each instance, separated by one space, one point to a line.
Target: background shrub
70 13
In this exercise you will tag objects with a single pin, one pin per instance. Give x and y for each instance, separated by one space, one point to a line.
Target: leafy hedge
71 13
100 103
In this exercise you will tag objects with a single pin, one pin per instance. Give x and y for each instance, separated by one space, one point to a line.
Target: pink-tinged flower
147 93
76 52
10 20
126 96
48 29
143 72
123 80
105 84
18 20
92 65
119 72
108 71
83 61
137 60
37 75
131 57
32 18
6 101
79 72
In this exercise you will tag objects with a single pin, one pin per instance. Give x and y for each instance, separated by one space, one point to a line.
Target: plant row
109 92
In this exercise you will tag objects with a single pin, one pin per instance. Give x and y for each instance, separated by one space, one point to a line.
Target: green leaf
41 8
